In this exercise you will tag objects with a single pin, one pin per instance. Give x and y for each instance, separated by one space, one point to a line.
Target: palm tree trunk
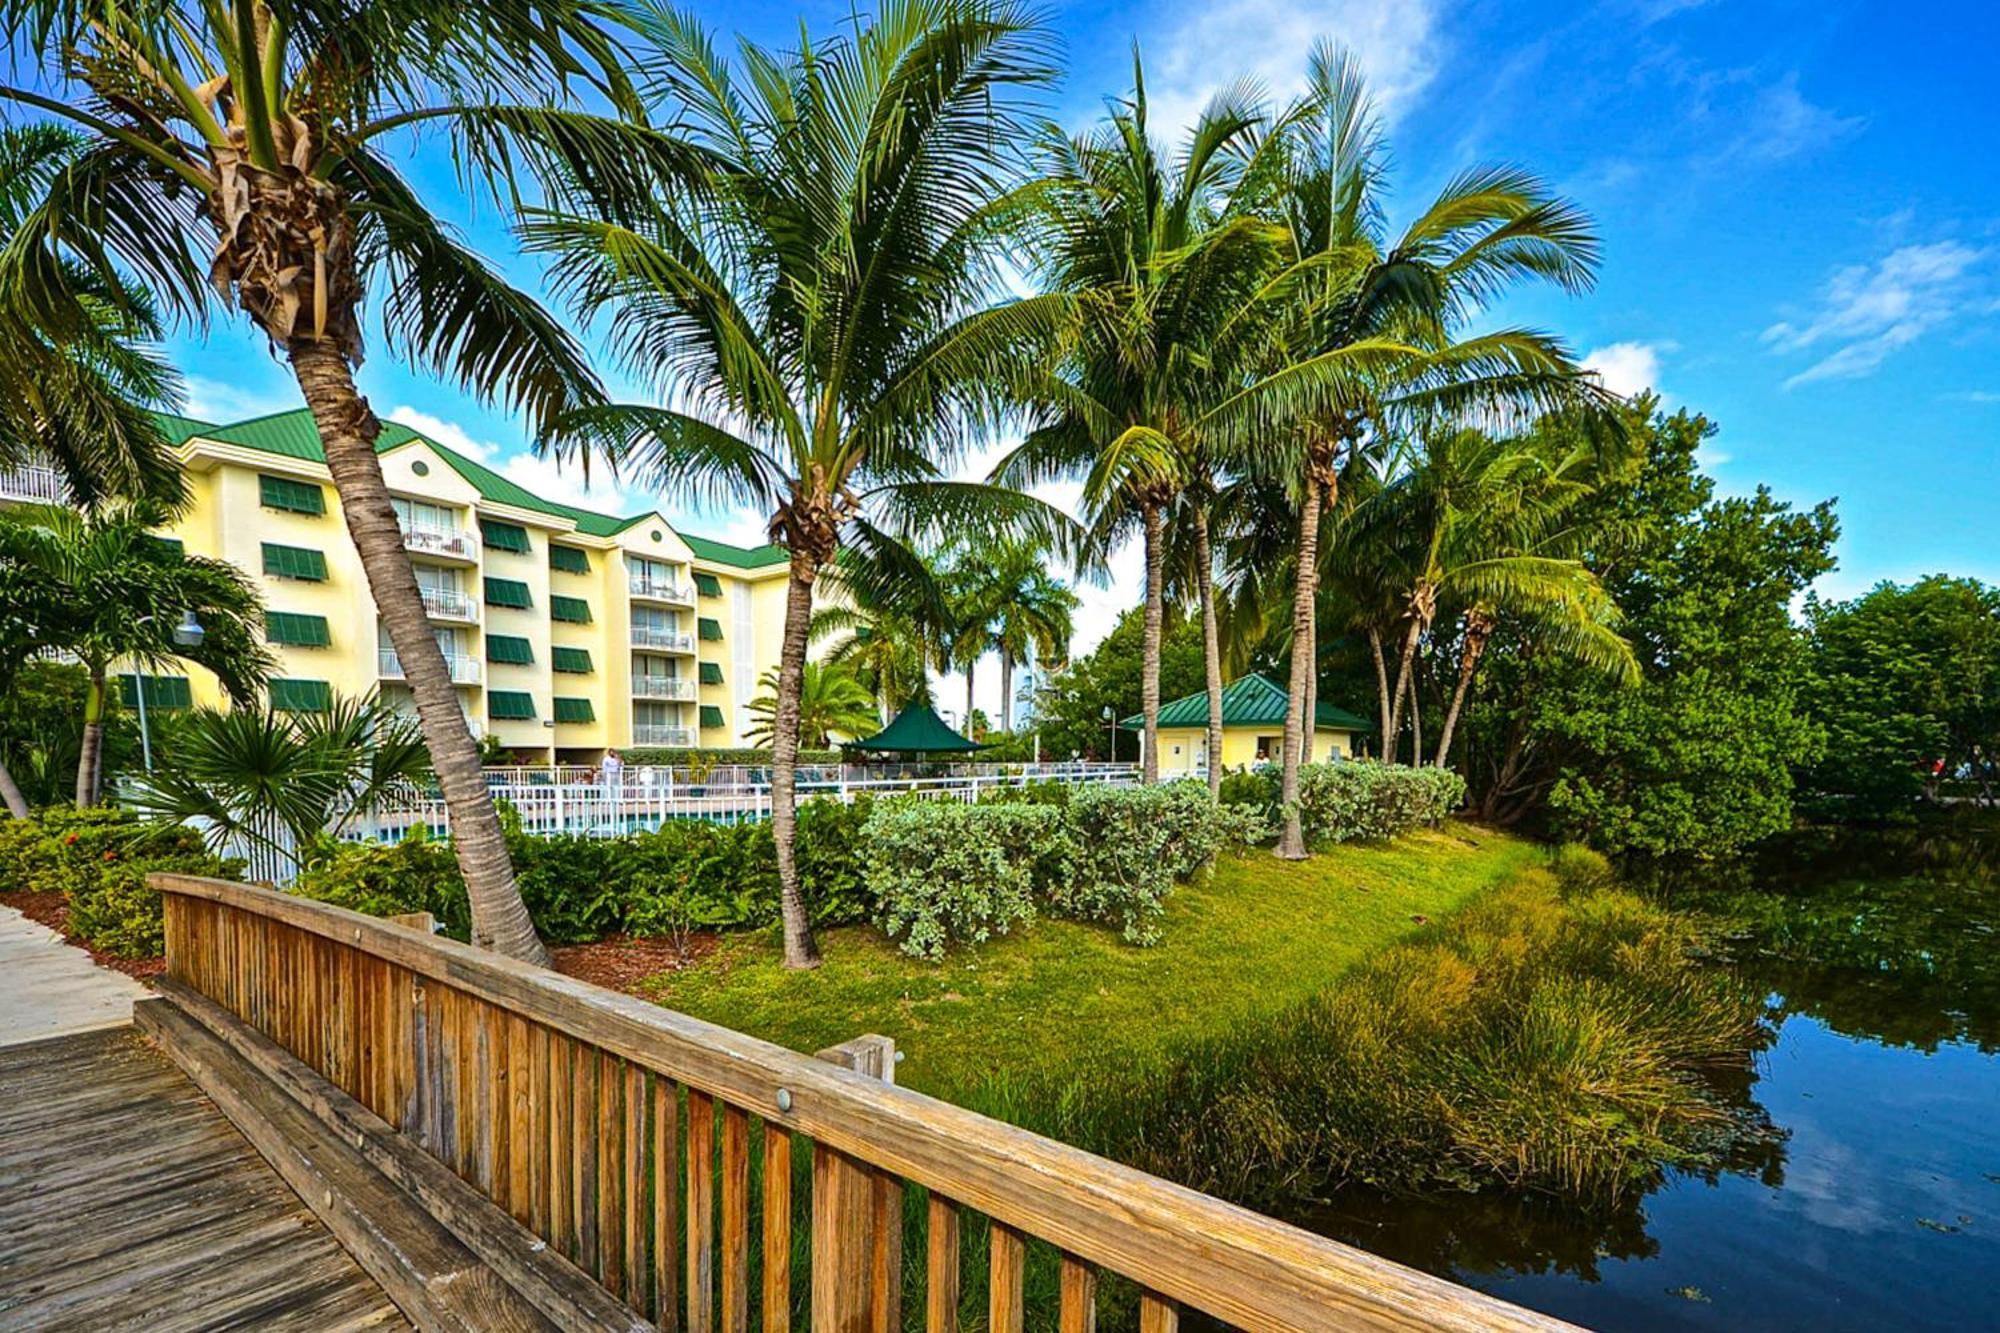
1149 676
1416 714
1211 647
1310 731
1007 692
10 791
967 723
800 948
1478 626
1375 646
90 757
347 429
1305 595
1392 741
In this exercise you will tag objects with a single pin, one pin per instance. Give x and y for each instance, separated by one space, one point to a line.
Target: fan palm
813 308
832 702
245 150
116 593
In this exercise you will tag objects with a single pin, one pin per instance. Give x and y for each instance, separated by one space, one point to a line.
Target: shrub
116 911
388 879
661 756
1581 869
1129 846
947 873
1360 799
27 853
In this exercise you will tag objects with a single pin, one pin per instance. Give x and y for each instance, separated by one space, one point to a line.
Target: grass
1253 939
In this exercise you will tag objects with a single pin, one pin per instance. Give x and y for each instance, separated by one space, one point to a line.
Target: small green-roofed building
1253 728
916 730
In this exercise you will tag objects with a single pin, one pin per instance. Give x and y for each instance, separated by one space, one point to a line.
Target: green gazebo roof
916 730
1248 701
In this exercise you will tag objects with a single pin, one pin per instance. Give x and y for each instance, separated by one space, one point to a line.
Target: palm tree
1033 612
122 592
246 152
813 307
832 701
887 650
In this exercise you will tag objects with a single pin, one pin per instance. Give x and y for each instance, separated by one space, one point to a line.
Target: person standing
611 769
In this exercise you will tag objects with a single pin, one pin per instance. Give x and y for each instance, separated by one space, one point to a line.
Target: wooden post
857 1219
421 922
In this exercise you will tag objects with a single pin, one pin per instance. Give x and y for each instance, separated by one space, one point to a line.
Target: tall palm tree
122 592
1377 323
1033 615
832 702
813 306
245 151
888 651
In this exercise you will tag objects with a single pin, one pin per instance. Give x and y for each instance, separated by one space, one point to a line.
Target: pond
1871 1198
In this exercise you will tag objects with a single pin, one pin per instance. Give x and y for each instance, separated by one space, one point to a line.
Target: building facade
1253 729
566 631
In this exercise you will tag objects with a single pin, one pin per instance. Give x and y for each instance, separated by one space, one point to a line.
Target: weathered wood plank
735 1220
1158 1314
1078 1311
1006 1267
666 1127
777 1242
700 1212
941 1282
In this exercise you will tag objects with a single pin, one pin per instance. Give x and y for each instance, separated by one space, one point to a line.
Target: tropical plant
282 780
99 586
884 646
1013 607
813 306
832 701
247 152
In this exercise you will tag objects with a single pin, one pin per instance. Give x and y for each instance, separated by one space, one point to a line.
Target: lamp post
187 634
1112 730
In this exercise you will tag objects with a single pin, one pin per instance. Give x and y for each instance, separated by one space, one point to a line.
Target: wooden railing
625 1135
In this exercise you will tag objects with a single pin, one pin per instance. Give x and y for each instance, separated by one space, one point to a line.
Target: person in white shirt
612 771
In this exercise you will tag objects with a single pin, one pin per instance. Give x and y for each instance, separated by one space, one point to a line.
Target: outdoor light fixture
189 633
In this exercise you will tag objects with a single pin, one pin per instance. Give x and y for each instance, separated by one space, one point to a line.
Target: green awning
294 497
711 630
917 730
568 559
711 716
504 536
509 650
161 691
576 661
510 706
301 696
508 592
711 673
574 710
296 630
294 562
707 584
572 609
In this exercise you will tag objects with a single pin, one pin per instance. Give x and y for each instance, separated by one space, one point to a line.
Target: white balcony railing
42 485
659 590
446 543
464 670
661 687
646 733
667 640
447 604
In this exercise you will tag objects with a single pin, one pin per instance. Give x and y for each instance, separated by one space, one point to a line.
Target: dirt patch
622 963
52 910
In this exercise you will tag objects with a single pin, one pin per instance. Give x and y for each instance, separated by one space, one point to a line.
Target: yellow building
1253 729
566 631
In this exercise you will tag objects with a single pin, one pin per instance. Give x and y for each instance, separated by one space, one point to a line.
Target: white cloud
1202 47
225 404
1867 312
1780 123
1982 396
563 484
1627 368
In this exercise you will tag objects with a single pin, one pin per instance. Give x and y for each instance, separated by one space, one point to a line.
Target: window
574 610
295 630
301 696
655 668
574 710
707 584
654 715
510 706
437 578
294 562
711 673
509 650
655 620
576 661
1268 746
568 559
711 716
504 536
417 516
650 571
508 592
711 630
294 497
161 691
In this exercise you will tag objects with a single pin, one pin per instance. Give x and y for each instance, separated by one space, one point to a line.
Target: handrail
1177 1244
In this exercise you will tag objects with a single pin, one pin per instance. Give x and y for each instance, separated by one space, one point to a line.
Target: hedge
99 859
1352 800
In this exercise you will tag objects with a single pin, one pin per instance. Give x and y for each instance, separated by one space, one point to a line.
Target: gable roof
295 434
916 730
179 429
1247 701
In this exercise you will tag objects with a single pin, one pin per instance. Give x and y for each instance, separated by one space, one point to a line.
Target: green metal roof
916 730
179 429
1248 701
722 553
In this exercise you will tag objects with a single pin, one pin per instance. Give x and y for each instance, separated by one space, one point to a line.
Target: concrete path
51 989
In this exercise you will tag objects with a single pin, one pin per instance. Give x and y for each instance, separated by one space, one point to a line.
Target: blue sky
1800 206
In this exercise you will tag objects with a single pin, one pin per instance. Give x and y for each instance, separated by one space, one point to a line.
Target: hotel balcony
453 544
36 485
659 590
662 640
646 733
445 604
661 687
464 670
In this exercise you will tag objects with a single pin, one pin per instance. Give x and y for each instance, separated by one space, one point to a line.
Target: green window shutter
711 716
508 592
711 673
172 544
573 660
504 536
508 650
568 559
294 562
294 497
297 631
707 584
161 691
574 710
301 696
572 609
711 629
510 706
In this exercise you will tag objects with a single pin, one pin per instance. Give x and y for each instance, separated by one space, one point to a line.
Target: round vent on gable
421 468
659 536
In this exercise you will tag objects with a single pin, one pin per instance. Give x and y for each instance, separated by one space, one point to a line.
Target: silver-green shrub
944 873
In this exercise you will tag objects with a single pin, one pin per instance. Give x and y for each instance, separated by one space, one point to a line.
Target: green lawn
1252 939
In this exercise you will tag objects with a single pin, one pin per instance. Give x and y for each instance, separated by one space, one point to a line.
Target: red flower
70 841
111 856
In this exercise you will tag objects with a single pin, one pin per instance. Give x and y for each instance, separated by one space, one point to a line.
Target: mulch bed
52 910
621 963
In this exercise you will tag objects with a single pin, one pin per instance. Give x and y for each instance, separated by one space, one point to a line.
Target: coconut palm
246 152
832 702
813 309
885 647
118 593
1033 612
